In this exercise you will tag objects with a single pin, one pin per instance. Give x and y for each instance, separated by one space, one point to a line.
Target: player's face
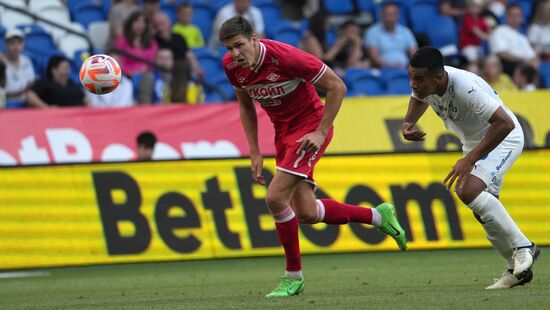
422 82
243 50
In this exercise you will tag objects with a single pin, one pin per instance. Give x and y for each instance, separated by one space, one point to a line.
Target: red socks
333 212
287 229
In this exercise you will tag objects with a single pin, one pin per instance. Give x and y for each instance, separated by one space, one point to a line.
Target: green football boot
287 287
390 225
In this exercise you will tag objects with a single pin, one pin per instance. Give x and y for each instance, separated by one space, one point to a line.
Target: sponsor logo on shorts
504 160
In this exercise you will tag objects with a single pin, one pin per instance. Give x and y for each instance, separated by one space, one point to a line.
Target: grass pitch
451 279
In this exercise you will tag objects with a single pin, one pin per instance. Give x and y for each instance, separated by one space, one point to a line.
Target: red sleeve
483 25
302 64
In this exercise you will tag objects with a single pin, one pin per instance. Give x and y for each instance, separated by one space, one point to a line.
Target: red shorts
298 164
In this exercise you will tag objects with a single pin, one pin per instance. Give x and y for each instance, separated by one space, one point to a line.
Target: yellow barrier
155 211
372 125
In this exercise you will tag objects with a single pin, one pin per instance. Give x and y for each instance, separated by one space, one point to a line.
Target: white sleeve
498 41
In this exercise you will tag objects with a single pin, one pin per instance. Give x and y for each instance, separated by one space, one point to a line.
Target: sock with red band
333 212
287 229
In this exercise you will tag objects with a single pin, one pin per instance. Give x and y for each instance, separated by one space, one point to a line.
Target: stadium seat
136 79
216 5
87 13
288 34
544 71
11 18
98 32
339 7
444 35
36 38
225 86
211 66
202 18
364 81
71 42
272 16
422 14
398 83
170 10
365 5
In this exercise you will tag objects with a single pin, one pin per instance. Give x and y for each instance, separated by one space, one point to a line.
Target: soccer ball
100 74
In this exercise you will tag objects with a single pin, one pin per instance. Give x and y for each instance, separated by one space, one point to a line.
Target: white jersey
466 107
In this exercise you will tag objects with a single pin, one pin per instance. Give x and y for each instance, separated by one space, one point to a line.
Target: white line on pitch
23 274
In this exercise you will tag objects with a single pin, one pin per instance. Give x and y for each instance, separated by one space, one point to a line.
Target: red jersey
282 82
467 36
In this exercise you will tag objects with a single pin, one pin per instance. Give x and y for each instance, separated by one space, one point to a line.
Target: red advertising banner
76 135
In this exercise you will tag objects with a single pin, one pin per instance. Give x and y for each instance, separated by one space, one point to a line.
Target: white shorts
492 167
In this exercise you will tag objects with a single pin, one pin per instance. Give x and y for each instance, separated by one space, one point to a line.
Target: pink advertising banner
80 135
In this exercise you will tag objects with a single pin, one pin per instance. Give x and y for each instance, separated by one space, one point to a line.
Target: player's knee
466 195
275 203
307 216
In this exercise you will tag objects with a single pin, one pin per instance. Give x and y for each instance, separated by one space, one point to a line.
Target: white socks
376 218
294 275
502 245
500 227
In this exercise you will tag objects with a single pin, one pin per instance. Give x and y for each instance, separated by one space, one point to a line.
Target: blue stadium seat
398 83
211 65
544 71
444 32
136 79
365 5
2 41
223 84
272 16
339 7
287 33
363 81
170 10
202 18
216 5
36 38
87 13
422 13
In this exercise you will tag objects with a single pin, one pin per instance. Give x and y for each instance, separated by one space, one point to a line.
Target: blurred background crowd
169 50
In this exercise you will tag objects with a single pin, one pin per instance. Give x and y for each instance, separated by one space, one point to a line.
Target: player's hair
147 139
236 25
428 57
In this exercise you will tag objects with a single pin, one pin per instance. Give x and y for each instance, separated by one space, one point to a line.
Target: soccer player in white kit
492 140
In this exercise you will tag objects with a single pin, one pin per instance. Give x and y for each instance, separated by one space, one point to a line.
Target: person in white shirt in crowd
19 69
525 77
122 96
236 7
509 44
539 31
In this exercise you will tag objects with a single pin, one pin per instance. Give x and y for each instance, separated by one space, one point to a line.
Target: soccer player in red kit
282 79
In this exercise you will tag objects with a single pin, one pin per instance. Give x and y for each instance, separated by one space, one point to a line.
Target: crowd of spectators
495 39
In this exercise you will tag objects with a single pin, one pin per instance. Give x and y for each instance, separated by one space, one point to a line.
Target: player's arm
335 90
249 119
416 109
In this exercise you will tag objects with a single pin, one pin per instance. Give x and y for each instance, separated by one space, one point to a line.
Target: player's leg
278 197
311 210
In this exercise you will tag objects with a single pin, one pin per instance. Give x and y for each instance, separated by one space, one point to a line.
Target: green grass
452 279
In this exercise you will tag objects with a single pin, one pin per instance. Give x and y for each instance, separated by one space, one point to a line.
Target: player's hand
411 133
311 142
257 164
460 170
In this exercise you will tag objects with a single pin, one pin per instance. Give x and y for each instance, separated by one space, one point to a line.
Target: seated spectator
236 7
493 12
185 61
314 38
152 7
137 40
473 30
539 31
19 69
473 67
348 51
453 8
118 14
122 96
145 141
493 75
56 89
509 44
190 33
525 77
156 87
389 43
